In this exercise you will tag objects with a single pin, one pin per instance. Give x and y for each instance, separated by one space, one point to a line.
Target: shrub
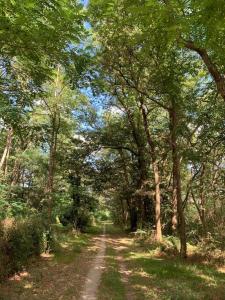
19 242
146 238
4 259
212 249
170 245
102 215
80 219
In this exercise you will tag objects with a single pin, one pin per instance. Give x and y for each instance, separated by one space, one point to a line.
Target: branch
118 147
212 68
140 91
189 186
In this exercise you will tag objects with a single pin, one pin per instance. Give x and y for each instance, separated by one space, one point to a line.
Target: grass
94 230
154 276
113 229
169 278
157 275
69 245
111 286
97 229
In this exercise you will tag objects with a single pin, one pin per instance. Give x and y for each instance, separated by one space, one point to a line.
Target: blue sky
85 2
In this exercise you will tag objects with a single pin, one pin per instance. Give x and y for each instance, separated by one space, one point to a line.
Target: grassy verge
155 277
111 286
69 245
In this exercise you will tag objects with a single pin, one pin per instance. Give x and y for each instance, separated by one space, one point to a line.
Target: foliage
19 242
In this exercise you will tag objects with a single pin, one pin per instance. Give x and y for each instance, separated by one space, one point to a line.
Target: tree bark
178 213
142 170
202 200
133 216
199 210
51 166
16 173
125 208
54 114
5 155
155 168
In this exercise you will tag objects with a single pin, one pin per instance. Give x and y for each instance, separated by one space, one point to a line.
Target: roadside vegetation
59 272
155 275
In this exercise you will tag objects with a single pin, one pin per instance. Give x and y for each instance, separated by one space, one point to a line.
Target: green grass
98 228
164 278
69 245
112 229
94 230
111 287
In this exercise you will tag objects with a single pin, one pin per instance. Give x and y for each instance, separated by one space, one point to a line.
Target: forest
112 149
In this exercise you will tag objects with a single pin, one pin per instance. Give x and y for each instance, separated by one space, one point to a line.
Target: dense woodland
112 109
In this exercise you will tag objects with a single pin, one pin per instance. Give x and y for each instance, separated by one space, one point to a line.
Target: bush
18 243
80 219
212 249
146 238
170 245
4 259
102 215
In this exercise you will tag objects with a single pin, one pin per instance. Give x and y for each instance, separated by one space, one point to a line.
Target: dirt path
94 275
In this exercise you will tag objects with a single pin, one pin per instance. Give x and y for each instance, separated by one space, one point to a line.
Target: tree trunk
51 167
125 207
16 173
5 155
157 203
133 217
199 210
151 145
178 213
202 201
142 171
54 114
